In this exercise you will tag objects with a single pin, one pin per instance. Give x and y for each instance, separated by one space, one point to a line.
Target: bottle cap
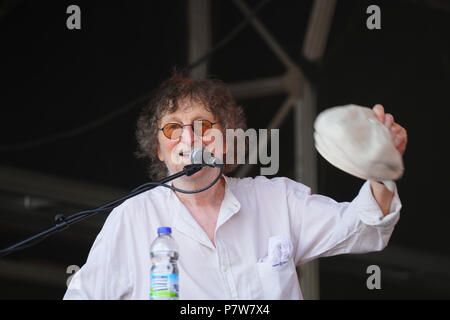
164 230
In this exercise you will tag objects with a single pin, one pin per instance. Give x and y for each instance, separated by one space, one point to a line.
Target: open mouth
184 154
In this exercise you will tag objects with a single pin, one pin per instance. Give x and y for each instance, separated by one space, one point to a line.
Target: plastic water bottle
164 271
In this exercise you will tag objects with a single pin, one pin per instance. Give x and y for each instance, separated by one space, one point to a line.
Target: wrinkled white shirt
266 227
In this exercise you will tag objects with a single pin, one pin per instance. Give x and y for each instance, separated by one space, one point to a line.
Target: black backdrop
54 80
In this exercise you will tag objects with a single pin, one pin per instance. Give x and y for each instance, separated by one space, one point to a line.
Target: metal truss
298 90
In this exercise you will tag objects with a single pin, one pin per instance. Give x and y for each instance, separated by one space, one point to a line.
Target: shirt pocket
279 281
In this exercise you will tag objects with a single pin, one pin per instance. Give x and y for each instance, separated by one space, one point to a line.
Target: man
240 239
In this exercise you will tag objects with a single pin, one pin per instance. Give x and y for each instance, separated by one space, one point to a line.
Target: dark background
55 80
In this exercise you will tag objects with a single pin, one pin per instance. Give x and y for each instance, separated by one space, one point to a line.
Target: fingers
401 147
395 129
398 133
388 120
378 109
400 137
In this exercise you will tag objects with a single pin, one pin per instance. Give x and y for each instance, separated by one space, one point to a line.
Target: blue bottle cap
164 230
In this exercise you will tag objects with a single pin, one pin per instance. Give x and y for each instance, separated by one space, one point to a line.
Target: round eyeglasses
174 130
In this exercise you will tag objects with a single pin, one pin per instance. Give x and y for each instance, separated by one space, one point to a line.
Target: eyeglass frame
185 125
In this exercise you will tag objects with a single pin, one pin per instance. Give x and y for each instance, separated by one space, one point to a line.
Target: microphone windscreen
197 156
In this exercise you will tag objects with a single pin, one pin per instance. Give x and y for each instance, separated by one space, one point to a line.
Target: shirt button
224 268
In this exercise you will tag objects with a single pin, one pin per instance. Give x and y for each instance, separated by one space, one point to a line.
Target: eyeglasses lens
175 130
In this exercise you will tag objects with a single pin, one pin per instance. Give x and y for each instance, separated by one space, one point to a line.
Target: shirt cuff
369 211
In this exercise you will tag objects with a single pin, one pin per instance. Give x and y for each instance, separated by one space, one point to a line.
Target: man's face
176 152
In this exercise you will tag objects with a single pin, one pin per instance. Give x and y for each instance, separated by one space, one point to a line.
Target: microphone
199 156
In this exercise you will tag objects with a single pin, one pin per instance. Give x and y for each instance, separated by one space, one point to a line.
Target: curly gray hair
212 93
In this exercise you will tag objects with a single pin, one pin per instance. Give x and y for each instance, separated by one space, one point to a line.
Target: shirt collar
230 205
186 224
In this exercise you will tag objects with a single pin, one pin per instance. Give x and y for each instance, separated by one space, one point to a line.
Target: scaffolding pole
199 21
305 111
300 94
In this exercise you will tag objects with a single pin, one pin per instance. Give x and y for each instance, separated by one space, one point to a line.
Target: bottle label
163 285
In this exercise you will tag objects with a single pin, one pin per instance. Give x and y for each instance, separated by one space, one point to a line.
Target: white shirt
257 214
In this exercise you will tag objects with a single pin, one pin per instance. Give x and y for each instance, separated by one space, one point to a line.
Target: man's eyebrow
199 117
204 117
172 119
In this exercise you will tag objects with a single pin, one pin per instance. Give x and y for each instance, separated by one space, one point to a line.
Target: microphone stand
62 223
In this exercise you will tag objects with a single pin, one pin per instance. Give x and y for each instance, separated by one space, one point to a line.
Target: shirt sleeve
102 277
325 227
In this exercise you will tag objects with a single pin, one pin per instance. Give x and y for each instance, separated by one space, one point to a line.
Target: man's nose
187 137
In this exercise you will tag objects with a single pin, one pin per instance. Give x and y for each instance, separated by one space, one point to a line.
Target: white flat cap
352 139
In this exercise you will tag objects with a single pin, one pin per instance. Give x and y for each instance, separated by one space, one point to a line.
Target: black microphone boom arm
62 223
